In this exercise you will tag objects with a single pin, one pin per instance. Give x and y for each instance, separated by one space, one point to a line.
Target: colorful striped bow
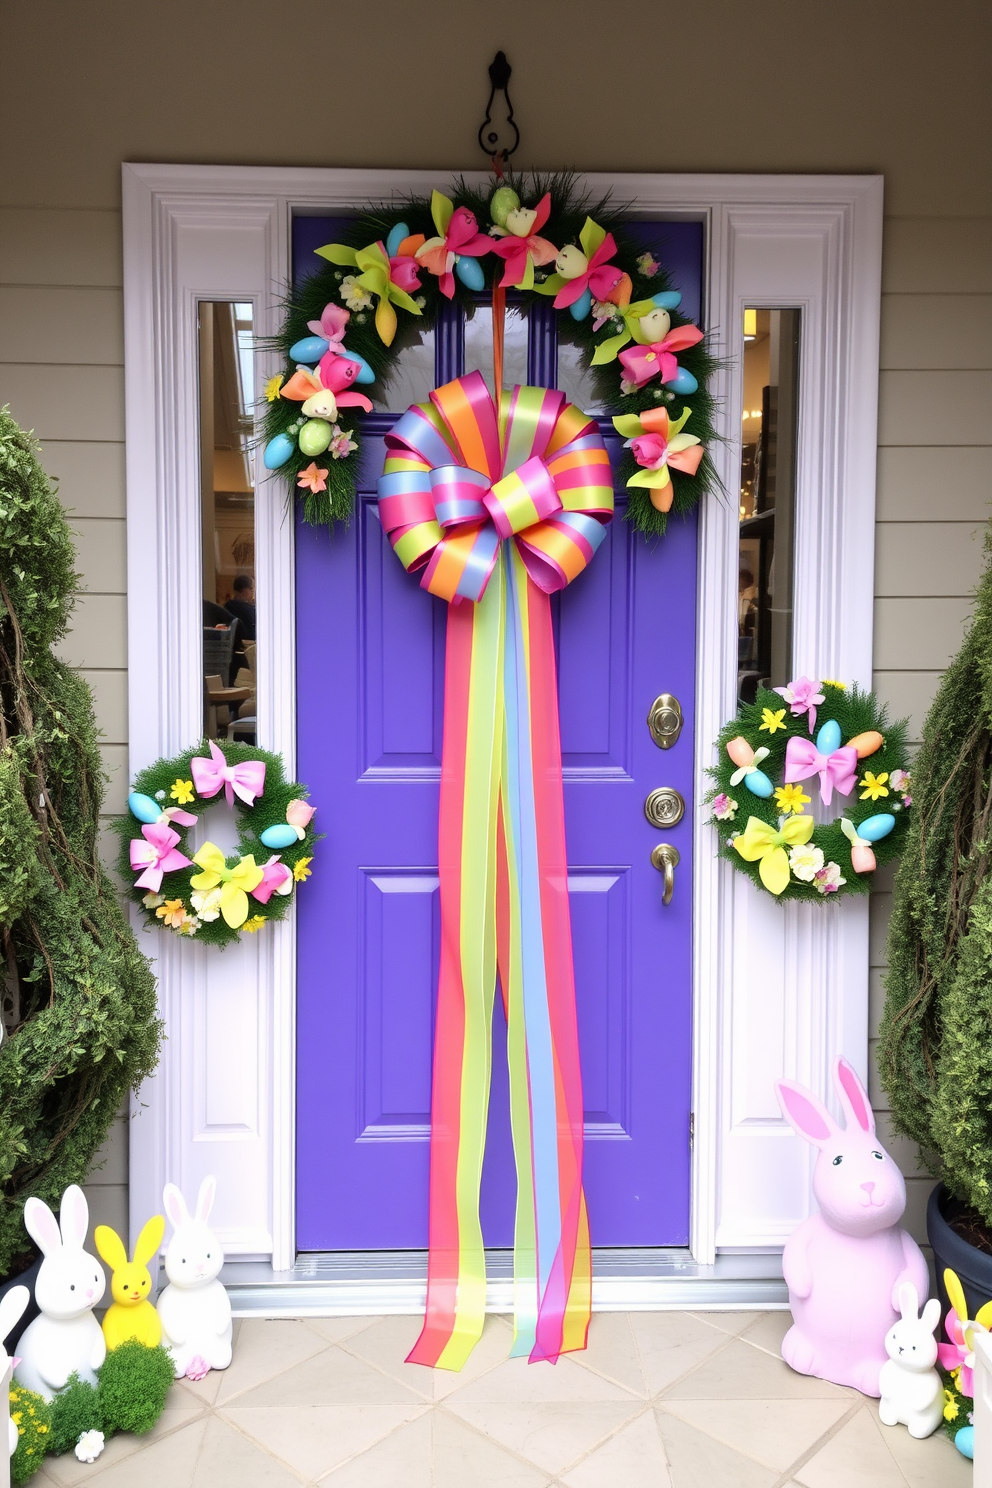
455 483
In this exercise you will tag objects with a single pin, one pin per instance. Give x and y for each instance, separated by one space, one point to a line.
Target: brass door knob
664 807
666 859
665 720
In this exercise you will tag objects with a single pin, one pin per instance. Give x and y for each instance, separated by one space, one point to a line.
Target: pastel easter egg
278 451
829 737
866 743
964 1440
281 835
740 751
395 238
503 201
758 783
682 382
877 827
469 271
862 859
582 306
143 807
654 326
315 436
309 350
668 299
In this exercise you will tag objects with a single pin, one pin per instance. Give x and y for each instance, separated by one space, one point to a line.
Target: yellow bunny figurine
131 1314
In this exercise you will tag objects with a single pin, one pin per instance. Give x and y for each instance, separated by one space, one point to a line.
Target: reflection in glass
412 376
479 345
227 515
767 499
575 376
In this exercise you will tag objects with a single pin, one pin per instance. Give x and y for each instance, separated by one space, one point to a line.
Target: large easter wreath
415 256
822 737
212 896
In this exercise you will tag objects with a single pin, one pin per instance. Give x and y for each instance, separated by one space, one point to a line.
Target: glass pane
767 499
227 517
575 376
479 345
413 371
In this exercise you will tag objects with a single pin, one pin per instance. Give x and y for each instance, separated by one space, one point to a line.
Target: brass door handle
666 859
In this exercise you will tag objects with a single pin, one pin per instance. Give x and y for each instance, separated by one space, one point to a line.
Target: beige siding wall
772 86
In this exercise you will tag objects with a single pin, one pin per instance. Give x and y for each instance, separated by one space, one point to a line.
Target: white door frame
777 989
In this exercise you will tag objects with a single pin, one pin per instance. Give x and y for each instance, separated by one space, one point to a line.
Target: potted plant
935 1056
79 1020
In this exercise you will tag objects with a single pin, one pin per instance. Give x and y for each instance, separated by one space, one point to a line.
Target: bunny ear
853 1095
12 1305
110 1247
74 1216
909 1302
931 1314
205 1198
175 1205
149 1240
805 1114
42 1226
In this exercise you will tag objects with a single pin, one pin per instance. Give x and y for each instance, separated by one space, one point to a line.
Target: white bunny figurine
12 1305
67 1337
912 1394
194 1308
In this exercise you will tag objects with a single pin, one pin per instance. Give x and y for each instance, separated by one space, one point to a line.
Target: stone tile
263 1348
516 1382
669 1344
727 1322
776 1433
925 1464
404 1457
768 1331
206 1454
740 1372
857 1457
336 1329
462 1458
314 1439
634 1458
551 1435
329 1378
179 1411
387 1341
613 1352
698 1461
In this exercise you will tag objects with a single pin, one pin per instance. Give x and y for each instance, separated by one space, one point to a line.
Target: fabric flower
189 926
803 696
648 266
806 862
899 780
771 720
521 247
458 234
354 296
156 853
386 278
182 791
313 479
301 869
324 391
197 1368
874 786
255 923
272 387
331 327
235 883
171 913
152 901
299 815
89 1446
655 355
828 880
276 879
658 445
790 798
206 904
602 311
341 444
951 1411
583 269
724 807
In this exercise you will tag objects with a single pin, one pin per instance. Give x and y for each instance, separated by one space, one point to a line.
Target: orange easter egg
866 743
740 751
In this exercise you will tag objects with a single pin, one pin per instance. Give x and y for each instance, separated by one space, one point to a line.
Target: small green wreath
758 804
210 896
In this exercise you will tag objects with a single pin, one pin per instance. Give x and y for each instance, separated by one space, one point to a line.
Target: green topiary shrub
134 1382
75 1410
32 1417
935 1055
78 998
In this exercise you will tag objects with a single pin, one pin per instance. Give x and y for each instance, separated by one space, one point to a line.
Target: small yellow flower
301 870
771 720
255 923
182 791
874 786
951 1411
832 682
791 798
272 387
172 912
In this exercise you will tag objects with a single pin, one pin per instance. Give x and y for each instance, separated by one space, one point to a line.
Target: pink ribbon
246 780
658 359
156 855
600 277
840 769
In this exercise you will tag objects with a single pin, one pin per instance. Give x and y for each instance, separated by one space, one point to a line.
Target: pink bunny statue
844 1266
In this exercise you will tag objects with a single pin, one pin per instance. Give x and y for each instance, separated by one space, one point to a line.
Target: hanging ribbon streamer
498 512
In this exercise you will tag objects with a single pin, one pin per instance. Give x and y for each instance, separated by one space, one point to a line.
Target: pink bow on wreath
839 769
246 780
657 358
156 855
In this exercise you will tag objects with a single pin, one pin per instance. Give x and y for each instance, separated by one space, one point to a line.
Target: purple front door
370 666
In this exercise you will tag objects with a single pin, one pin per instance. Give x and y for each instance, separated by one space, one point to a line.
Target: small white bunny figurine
67 1337
194 1308
12 1305
912 1394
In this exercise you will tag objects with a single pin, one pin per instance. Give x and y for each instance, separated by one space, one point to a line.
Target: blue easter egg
469 271
396 236
281 835
758 783
682 382
309 350
278 451
829 737
143 807
668 299
877 827
366 374
582 306
964 1440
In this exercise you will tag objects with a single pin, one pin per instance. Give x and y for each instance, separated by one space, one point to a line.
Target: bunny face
131 1282
70 1282
130 1285
910 1342
194 1256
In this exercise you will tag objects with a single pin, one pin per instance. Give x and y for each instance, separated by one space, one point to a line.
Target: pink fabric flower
649 450
300 815
275 875
331 326
658 358
156 855
439 255
802 695
404 272
197 1368
957 1354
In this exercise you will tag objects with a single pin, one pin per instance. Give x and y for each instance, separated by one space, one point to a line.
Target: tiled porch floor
659 1400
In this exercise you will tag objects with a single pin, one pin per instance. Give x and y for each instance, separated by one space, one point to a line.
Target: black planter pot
973 1267
27 1278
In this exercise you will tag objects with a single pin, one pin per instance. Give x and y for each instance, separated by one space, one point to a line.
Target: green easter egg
315 436
504 200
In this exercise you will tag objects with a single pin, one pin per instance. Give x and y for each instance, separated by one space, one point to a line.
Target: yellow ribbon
607 351
235 883
764 845
375 277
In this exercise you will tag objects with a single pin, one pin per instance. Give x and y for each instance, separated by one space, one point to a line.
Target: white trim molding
778 990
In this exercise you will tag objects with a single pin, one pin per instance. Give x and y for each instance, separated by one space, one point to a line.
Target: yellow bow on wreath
764 845
235 883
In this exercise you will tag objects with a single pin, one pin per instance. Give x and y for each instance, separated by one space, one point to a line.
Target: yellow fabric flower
301 870
771 720
255 923
272 387
182 791
832 682
790 798
172 912
874 786
951 1411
